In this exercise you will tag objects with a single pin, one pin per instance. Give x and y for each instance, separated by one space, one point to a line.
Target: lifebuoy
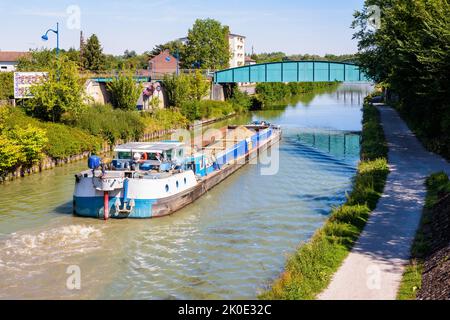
144 157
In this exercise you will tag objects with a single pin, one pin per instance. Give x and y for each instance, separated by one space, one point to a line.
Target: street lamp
45 37
178 61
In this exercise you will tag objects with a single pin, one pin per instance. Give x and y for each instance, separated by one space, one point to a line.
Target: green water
229 244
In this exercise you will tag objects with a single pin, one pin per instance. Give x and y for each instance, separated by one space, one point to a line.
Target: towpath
373 269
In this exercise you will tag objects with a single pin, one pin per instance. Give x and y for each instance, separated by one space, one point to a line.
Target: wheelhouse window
124 155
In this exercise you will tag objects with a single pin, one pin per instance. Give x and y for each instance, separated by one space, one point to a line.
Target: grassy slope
412 277
309 270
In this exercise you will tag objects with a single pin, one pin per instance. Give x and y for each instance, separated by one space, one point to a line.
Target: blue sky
292 26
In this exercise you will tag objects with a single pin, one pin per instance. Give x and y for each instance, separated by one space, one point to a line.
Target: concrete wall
97 92
145 103
217 92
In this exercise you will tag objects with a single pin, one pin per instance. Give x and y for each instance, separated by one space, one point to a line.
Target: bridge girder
292 71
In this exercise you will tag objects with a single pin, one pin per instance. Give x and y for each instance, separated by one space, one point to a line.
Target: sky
291 26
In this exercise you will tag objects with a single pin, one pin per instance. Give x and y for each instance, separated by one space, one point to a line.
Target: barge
155 179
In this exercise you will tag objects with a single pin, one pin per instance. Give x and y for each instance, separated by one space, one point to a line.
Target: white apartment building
237 49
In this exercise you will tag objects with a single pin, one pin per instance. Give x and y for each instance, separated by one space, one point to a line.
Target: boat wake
27 259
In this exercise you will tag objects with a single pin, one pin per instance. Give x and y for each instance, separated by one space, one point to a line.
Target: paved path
374 268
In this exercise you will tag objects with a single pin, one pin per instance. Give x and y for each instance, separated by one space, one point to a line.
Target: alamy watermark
374 17
73 282
73 17
373 277
221 147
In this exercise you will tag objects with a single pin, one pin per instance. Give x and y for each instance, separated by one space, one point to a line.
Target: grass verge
438 184
309 270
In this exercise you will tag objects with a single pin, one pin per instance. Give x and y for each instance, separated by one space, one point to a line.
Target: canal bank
227 245
374 268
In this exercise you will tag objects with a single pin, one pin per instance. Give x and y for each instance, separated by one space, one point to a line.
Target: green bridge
109 79
292 71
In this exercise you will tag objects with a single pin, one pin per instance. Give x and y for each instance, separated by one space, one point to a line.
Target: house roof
162 55
237 35
248 59
12 56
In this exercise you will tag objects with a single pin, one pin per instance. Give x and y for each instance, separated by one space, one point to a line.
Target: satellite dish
168 59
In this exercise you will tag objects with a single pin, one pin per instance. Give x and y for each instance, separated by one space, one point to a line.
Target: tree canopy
93 58
410 54
208 45
62 92
124 92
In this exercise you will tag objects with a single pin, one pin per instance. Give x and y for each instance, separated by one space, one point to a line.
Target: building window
167 188
178 184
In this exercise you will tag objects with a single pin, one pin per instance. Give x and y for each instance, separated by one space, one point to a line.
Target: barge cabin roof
153 147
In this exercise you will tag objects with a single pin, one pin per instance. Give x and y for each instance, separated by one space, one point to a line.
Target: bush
65 141
6 85
206 109
163 119
240 101
110 124
62 140
124 92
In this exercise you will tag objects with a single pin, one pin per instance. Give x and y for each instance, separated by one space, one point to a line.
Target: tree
93 58
208 45
124 92
185 87
199 86
177 88
129 54
43 60
410 54
61 92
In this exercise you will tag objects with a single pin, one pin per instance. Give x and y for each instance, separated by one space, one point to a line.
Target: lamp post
178 61
45 37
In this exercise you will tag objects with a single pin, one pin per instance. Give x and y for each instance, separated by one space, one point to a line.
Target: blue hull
93 207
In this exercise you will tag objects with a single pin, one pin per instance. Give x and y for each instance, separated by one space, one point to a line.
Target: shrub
240 101
6 85
21 145
164 119
206 109
124 92
110 124
62 140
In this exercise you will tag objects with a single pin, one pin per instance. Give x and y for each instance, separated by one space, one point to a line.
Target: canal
230 244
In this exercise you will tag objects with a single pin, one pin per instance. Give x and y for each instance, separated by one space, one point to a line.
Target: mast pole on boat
106 205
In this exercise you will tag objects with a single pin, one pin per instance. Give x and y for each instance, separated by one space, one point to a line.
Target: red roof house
162 64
